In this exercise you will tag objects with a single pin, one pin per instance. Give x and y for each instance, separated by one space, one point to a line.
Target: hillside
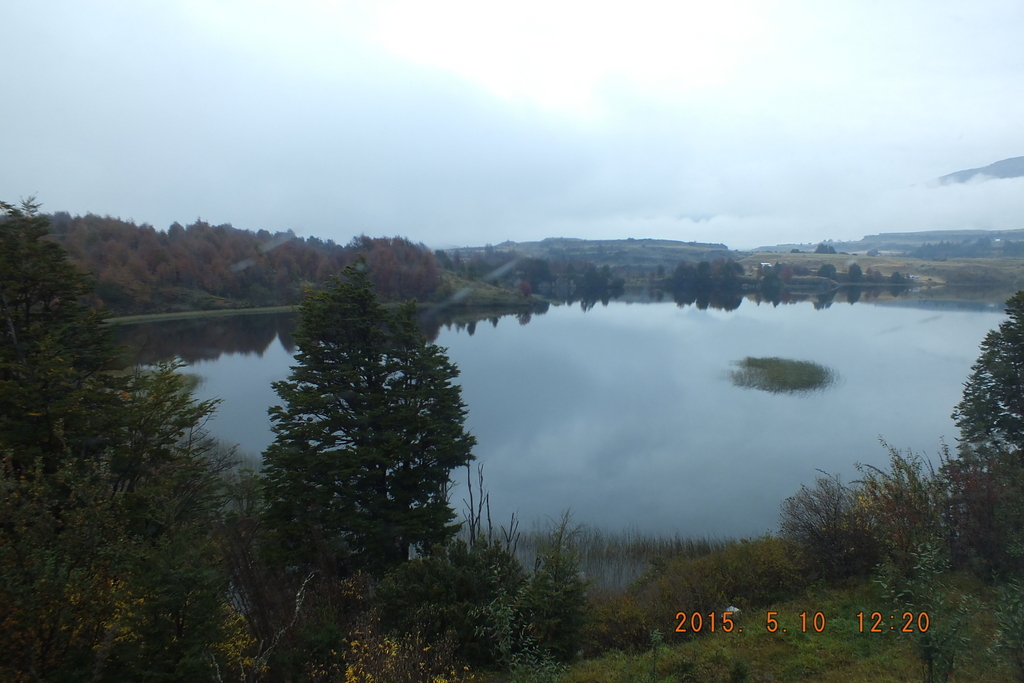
634 253
1006 168
139 269
905 242
1002 273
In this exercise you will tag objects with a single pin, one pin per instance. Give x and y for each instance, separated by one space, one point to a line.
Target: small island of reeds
782 375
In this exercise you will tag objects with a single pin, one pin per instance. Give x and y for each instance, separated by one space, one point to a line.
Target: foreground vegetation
133 546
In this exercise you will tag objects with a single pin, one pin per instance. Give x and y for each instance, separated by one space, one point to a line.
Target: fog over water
625 414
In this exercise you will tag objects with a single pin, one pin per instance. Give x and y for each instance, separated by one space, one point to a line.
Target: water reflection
432 321
626 414
207 338
730 298
824 300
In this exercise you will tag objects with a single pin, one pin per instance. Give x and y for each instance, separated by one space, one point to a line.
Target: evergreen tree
108 567
64 564
371 428
992 409
55 398
986 479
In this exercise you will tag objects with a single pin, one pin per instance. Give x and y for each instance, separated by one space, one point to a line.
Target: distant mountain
1007 168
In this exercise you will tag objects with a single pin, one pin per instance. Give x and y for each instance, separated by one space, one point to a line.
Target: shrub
831 529
924 588
373 656
1010 618
555 595
984 515
308 624
443 595
507 625
617 621
903 504
747 574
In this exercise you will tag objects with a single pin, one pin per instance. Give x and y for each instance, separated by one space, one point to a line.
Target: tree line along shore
143 271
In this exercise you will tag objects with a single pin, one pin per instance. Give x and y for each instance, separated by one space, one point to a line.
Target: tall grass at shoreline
612 560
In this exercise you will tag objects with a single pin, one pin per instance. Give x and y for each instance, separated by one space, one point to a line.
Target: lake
625 413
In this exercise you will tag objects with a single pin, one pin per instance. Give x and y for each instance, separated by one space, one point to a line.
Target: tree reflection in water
207 338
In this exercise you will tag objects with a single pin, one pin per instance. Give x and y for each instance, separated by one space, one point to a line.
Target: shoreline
952 293
207 313
422 307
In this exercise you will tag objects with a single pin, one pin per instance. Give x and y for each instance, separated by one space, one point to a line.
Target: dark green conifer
54 396
108 490
992 409
371 429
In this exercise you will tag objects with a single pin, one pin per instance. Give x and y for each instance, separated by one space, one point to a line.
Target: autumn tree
371 429
398 269
139 269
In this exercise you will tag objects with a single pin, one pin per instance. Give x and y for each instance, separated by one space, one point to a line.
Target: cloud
466 125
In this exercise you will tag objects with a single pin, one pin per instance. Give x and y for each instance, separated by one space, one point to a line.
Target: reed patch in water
782 375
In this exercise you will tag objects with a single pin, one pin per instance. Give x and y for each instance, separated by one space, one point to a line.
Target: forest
141 270
134 546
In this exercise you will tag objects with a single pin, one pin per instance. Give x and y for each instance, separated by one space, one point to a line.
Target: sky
463 122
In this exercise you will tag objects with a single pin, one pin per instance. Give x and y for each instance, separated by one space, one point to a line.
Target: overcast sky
467 122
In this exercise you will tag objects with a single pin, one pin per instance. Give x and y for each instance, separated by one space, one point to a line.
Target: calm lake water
625 414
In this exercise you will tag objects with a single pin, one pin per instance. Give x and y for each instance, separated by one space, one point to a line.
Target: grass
839 653
956 272
453 294
185 315
782 375
457 292
611 561
844 650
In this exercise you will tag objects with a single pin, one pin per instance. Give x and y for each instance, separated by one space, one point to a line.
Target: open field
991 272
